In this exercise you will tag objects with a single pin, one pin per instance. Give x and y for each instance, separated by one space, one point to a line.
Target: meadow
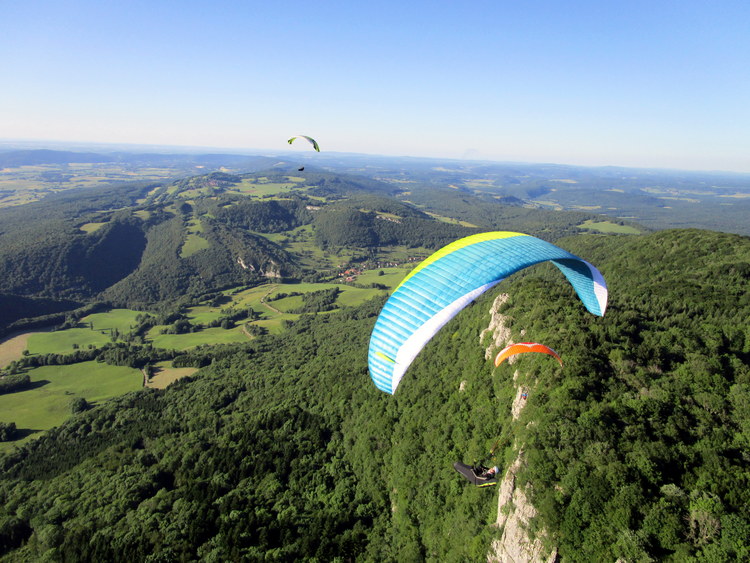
193 339
263 187
274 312
164 375
193 243
609 227
92 331
47 403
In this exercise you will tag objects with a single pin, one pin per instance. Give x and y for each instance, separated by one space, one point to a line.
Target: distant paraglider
446 282
300 169
523 348
312 141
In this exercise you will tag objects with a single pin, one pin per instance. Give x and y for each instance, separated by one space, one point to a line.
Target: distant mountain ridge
654 198
31 157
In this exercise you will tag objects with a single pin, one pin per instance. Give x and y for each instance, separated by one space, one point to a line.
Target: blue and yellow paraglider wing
442 285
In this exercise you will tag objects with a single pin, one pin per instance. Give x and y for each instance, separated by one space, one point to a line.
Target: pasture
47 403
164 375
391 277
263 187
193 339
193 243
609 227
93 331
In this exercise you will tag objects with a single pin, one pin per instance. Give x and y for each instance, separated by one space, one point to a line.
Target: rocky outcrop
272 271
522 393
498 329
241 262
514 513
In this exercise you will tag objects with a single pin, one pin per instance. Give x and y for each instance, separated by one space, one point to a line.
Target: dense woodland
283 449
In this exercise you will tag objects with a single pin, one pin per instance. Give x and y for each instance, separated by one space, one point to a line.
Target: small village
350 272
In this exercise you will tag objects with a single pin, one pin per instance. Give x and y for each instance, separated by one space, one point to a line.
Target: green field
193 339
204 314
119 319
391 277
349 296
193 243
48 404
274 312
609 227
288 304
262 187
299 242
66 341
94 330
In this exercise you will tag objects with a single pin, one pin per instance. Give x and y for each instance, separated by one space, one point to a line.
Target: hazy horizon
145 148
646 85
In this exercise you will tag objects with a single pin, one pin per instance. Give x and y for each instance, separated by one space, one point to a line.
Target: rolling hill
140 244
279 446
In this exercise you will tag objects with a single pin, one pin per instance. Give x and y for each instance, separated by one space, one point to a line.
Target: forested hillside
282 448
156 244
489 213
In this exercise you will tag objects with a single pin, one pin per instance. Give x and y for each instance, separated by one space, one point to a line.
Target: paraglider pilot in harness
478 474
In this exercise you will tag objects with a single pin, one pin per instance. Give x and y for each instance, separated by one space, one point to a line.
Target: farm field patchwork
25 184
48 402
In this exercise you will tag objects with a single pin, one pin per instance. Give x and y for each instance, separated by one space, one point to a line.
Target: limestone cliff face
514 511
273 273
241 262
497 330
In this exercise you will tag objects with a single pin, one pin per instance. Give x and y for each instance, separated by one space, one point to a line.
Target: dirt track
263 300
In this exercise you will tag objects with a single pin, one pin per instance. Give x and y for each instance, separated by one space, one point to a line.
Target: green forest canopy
283 449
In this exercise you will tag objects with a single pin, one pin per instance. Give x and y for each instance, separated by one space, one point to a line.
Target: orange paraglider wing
523 348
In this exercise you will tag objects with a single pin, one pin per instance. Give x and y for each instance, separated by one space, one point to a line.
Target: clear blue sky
620 82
